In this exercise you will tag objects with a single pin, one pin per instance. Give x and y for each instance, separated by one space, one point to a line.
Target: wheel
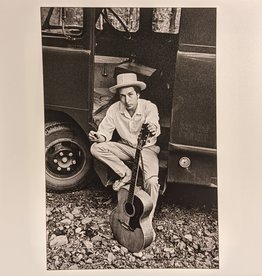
67 156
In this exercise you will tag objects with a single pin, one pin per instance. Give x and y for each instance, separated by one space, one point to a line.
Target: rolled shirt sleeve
152 116
107 126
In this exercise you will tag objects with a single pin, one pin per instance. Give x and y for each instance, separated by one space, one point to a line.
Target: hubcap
65 158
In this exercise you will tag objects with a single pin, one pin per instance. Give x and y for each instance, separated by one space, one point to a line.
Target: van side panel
193 120
194 102
66 73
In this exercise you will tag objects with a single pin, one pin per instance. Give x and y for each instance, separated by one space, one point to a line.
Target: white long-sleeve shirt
128 128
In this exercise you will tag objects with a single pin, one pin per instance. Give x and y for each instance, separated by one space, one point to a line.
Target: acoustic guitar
129 221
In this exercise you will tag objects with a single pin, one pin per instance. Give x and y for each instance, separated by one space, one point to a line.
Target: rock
73 267
78 258
104 242
200 256
100 220
115 248
207 233
52 236
164 210
59 232
168 249
195 246
51 267
111 257
66 221
188 237
89 232
106 236
95 227
138 254
182 245
124 250
99 198
86 220
178 264
89 245
78 230
147 257
49 211
208 239
58 241
207 262
132 259
89 261
70 216
160 228
199 233
96 238
174 238
76 212
190 250
63 209
157 250
107 202
63 266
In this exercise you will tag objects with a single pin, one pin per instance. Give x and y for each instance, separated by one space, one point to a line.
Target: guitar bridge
126 226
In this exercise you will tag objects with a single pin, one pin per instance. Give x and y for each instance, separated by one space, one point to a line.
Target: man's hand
96 137
152 129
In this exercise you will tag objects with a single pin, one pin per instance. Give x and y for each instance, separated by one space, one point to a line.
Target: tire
67 156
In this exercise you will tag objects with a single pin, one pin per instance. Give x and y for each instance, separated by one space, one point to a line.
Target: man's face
129 97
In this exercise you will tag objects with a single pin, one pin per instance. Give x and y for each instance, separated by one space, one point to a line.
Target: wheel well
58 116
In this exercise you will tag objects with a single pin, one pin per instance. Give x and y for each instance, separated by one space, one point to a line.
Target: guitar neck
134 177
140 143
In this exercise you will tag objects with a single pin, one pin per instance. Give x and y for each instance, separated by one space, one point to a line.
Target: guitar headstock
143 135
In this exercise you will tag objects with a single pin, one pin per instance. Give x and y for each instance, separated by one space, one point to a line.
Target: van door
68 57
192 145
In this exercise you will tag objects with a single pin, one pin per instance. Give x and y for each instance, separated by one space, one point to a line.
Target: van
173 50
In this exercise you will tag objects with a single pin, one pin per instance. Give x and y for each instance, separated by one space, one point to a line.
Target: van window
61 20
166 20
128 16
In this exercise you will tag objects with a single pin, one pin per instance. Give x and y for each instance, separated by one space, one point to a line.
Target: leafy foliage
165 20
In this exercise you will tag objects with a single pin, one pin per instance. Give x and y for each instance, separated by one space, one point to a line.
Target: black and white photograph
130 137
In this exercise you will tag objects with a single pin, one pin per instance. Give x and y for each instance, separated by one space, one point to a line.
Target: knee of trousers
152 183
95 149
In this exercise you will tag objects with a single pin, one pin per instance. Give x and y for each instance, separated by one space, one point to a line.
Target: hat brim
140 84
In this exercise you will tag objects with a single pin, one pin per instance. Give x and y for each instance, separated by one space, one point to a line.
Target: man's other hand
152 129
96 137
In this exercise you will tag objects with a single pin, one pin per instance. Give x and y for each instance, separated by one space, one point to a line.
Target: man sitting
127 116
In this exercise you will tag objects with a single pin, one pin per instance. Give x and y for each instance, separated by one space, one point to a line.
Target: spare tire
67 156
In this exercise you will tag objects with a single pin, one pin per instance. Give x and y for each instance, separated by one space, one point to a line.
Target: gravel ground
79 235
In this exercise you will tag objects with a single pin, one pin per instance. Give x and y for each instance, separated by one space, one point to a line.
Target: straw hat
127 79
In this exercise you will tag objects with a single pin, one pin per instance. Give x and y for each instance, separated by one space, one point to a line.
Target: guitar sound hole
129 208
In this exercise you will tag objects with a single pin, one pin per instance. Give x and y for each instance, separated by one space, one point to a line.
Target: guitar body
134 232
